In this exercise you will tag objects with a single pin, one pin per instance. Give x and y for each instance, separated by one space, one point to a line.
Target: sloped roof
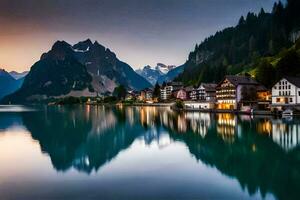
240 80
293 80
209 86
189 88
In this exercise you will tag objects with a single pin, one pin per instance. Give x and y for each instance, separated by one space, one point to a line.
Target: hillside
238 49
8 84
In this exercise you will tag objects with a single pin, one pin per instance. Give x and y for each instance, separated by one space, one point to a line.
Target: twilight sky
140 32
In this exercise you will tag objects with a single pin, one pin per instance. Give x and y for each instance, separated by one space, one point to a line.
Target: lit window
277 100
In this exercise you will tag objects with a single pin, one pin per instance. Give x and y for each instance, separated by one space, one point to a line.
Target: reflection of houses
227 126
166 91
286 135
286 93
234 91
199 122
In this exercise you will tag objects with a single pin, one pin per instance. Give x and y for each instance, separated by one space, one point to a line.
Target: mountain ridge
84 69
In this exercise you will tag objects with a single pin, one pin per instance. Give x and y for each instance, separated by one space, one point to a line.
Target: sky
140 32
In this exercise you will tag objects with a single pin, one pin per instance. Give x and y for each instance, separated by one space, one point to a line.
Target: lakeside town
235 93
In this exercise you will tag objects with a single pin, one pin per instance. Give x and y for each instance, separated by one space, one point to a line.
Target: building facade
233 91
286 93
207 92
166 91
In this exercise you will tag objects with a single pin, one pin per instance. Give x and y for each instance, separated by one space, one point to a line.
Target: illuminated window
277 100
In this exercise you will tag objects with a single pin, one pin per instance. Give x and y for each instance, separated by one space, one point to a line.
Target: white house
286 93
166 92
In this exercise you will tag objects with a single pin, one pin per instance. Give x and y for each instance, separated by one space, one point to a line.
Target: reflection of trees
80 137
88 137
255 160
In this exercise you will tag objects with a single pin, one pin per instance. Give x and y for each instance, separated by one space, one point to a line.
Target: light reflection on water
146 152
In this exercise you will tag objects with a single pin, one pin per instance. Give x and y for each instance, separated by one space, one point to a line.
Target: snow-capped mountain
164 69
159 73
18 75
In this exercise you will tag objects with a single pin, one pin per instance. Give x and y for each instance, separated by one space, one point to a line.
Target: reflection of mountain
9 120
87 137
254 160
81 137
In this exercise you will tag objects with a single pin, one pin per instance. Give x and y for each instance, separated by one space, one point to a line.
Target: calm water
88 152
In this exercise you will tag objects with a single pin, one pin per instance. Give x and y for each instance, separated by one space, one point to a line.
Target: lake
97 152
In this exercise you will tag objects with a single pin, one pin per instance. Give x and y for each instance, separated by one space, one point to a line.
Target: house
131 95
234 92
180 94
264 98
146 95
207 92
286 93
192 93
167 90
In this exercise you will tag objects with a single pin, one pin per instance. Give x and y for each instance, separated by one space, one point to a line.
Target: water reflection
263 154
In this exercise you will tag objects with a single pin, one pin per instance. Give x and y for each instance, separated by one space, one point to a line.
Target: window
289 86
279 87
279 82
277 100
275 87
291 99
289 93
280 93
298 93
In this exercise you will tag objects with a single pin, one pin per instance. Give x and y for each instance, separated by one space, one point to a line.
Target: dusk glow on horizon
139 32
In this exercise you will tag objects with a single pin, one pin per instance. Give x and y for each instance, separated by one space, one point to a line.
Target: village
235 94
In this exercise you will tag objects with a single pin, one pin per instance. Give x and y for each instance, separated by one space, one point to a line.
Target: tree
156 91
289 65
265 73
120 92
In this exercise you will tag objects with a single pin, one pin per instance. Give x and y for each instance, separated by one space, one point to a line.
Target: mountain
18 75
160 73
8 84
238 49
171 75
84 69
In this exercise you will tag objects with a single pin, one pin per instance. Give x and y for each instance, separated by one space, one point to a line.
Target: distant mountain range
161 73
84 69
8 84
18 75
